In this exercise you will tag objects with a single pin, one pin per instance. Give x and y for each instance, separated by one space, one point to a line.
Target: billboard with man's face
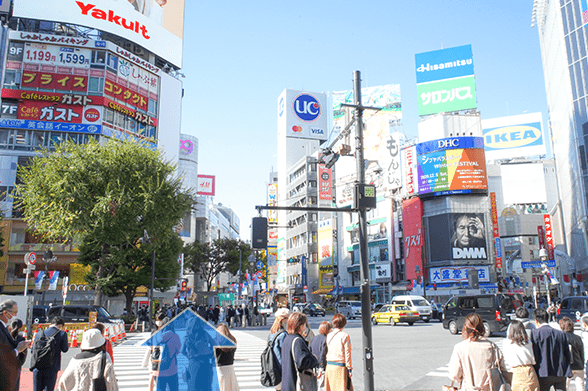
156 25
457 236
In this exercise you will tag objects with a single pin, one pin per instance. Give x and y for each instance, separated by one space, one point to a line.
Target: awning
323 291
351 290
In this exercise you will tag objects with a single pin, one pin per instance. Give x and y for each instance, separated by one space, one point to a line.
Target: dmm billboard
453 164
157 28
445 80
456 236
514 136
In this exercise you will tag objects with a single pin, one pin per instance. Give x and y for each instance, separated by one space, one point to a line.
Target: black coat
552 354
6 338
304 360
318 347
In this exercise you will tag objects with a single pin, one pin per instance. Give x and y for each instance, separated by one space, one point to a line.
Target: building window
152 108
112 64
12 78
96 84
98 59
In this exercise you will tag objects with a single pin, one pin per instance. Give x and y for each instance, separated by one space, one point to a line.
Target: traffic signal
184 285
259 233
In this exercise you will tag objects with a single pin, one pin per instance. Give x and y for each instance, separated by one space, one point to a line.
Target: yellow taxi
395 313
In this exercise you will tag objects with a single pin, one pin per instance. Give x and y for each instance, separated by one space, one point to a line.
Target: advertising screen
325 243
457 236
156 25
303 114
514 136
451 165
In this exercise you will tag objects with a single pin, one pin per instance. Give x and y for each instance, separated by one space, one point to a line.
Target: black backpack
43 351
271 370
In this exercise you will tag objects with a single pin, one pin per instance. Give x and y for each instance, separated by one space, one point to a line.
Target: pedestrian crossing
444 370
132 376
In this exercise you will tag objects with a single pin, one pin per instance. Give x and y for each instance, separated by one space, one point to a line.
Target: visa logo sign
317 131
515 136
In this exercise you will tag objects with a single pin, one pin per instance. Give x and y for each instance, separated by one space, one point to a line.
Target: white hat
283 312
92 339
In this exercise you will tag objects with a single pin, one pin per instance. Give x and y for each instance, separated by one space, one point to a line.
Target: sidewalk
26 379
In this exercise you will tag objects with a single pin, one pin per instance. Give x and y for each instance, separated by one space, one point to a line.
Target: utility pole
368 359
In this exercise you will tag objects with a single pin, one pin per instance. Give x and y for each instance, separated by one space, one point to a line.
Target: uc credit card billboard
451 166
445 80
156 25
303 114
514 136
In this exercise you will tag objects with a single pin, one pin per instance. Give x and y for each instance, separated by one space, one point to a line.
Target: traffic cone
124 332
80 336
70 336
35 334
75 338
120 336
113 336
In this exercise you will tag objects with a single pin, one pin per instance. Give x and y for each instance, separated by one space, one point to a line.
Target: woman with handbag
519 358
476 363
90 370
338 373
298 362
279 331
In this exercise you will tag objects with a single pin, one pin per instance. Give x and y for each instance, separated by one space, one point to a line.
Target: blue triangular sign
191 341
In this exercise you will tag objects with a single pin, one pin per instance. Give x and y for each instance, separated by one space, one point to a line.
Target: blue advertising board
444 64
45 125
537 264
498 247
450 143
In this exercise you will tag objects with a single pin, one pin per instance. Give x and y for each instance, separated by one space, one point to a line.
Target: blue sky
239 56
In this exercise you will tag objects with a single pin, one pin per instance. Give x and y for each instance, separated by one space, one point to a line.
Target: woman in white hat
93 363
278 332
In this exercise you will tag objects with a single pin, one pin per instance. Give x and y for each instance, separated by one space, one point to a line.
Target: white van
416 303
350 308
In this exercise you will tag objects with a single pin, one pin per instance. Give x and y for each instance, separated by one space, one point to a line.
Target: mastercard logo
297 129
92 115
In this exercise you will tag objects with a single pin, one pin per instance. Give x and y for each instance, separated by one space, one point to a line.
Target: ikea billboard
514 136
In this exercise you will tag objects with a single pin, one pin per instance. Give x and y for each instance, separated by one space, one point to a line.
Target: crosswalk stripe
132 376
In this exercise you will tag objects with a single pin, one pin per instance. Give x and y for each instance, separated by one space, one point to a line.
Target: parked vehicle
376 307
313 309
395 313
573 307
81 314
298 307
437 311
351 309
416 303
496 310
40 314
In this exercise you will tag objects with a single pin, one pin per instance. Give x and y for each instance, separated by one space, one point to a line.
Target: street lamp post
146 239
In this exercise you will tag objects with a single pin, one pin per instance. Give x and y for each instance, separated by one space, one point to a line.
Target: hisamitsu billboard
444 64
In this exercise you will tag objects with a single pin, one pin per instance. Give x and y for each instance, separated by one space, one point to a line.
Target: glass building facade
563 38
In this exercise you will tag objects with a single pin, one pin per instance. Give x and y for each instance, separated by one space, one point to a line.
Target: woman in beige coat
473 356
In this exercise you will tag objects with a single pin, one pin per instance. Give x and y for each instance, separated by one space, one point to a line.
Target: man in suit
552 354
8 311
44 379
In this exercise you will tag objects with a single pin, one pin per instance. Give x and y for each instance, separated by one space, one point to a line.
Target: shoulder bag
305 380
496 378
99 384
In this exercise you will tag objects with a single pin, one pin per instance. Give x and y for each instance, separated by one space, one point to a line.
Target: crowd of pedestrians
537 355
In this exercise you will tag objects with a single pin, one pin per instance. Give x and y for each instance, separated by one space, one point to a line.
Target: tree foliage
107 195
219 256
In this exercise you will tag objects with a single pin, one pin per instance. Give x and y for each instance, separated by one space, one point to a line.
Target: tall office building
562 35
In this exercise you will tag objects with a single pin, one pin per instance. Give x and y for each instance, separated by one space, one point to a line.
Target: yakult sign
301 115
155 25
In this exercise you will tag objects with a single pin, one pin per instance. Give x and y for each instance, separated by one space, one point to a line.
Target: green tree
219 256
107 195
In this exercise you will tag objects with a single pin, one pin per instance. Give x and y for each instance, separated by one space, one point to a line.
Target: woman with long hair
297 360
473 356
225 358
15 327
339 365
278 332
519 358
318 347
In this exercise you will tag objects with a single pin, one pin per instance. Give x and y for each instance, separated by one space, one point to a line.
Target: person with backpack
298 363
277 334
46 356
91 369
